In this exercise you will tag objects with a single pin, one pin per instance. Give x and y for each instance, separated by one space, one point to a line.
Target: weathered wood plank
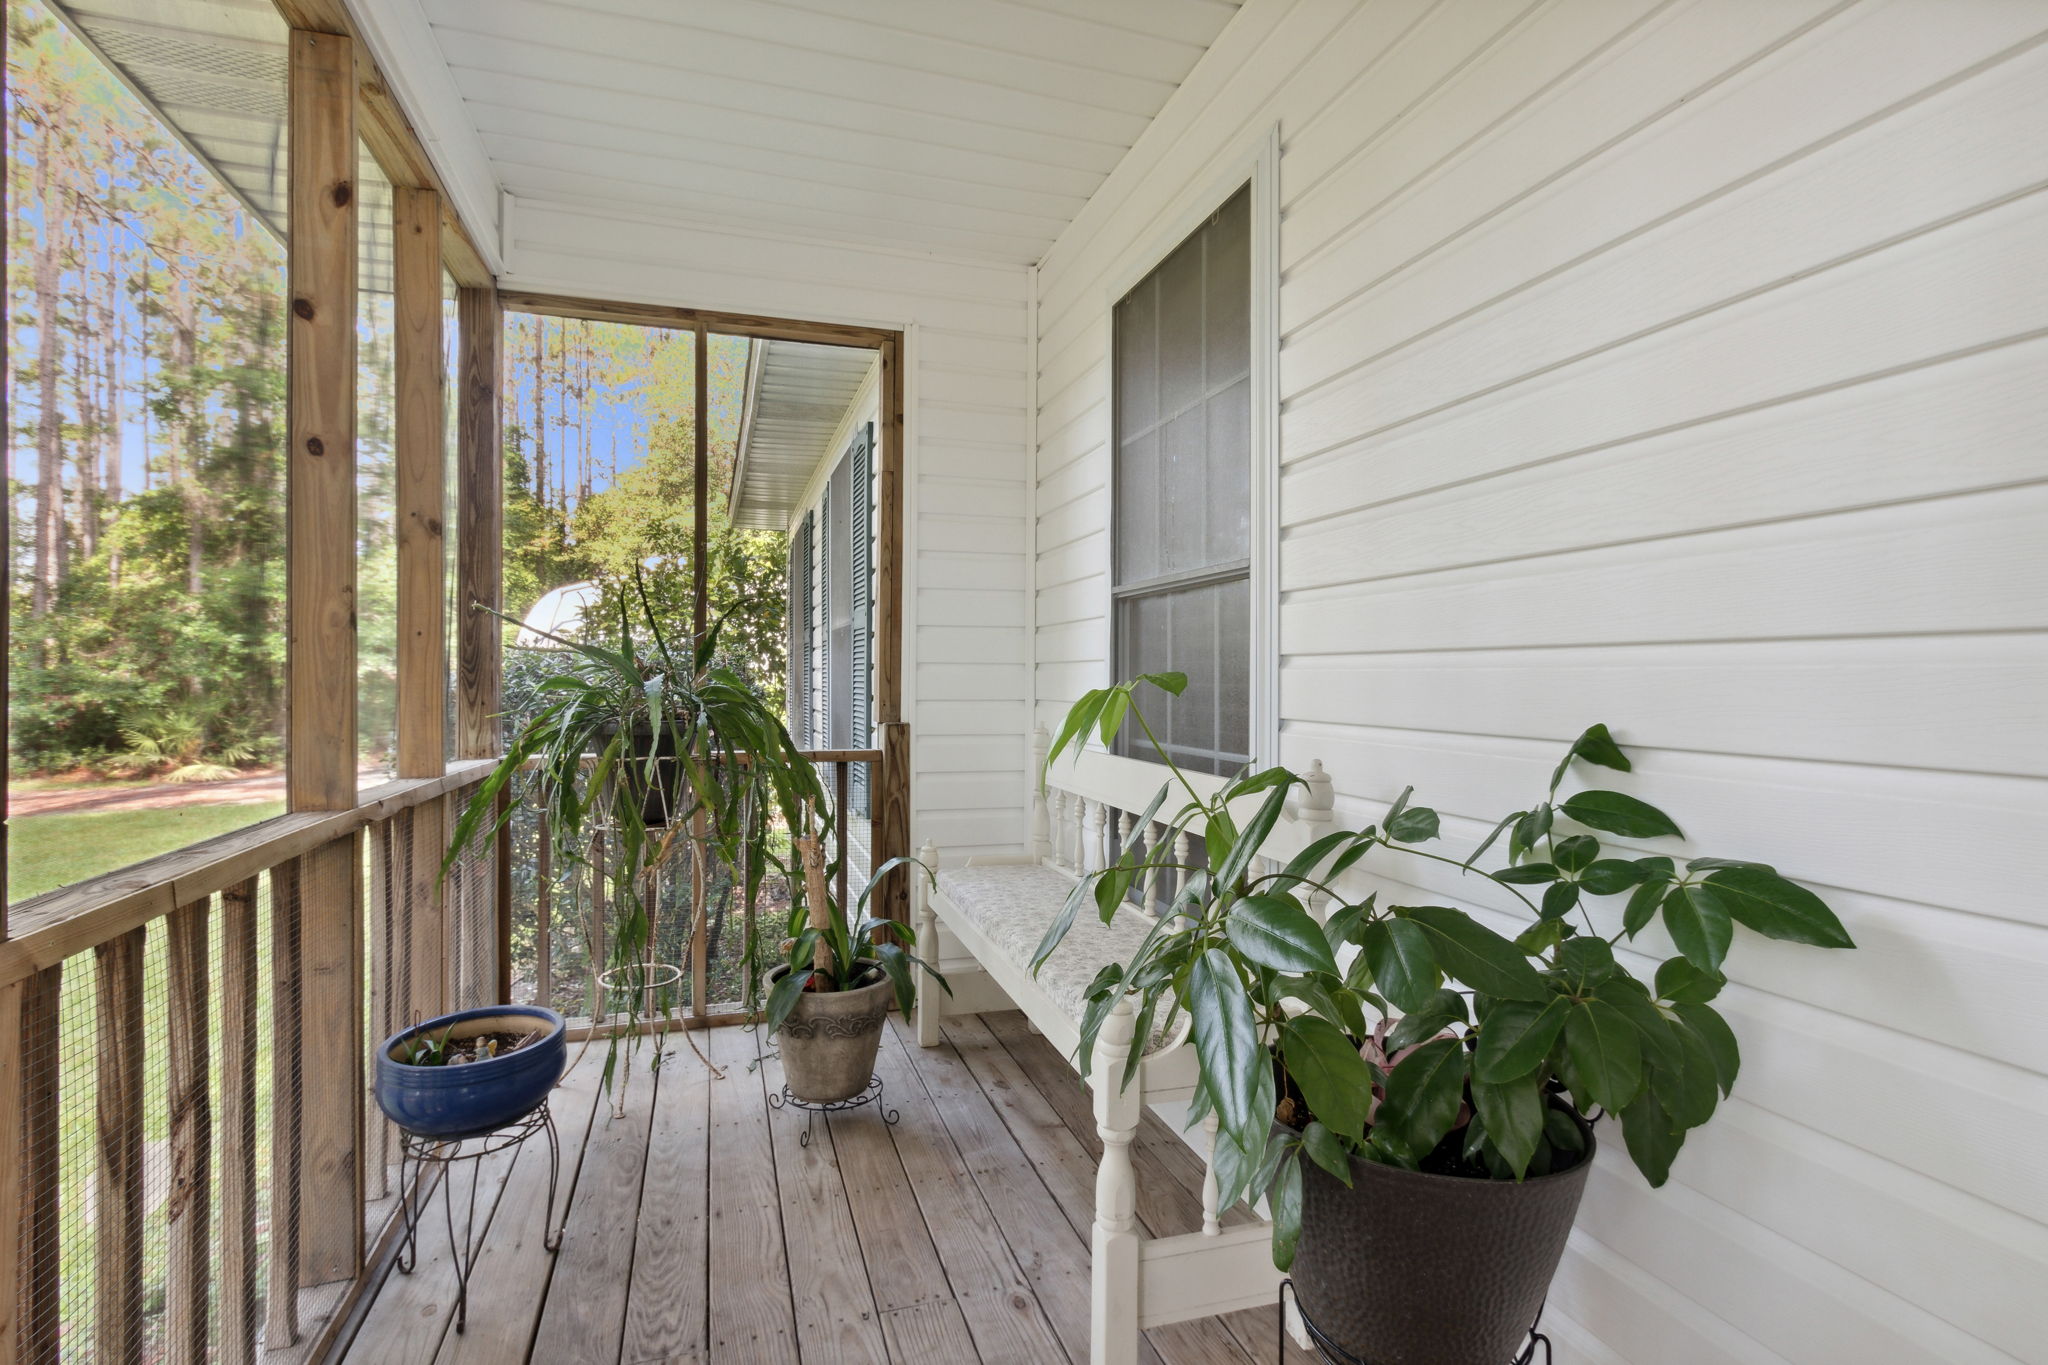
889 562
995 1297
118 1118
687 319
330 1076
13 1187
510 1281
320 463
752 1316
829 1284
420 362
188 1213
1169 1172
585 1315
891 824
1052 1253
1069 1171
666 1310
480 496
236 1331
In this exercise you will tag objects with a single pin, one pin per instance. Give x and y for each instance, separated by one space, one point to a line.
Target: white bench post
1040 845
928 1006
1113 1298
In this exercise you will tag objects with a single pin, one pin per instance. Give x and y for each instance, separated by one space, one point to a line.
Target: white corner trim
408 53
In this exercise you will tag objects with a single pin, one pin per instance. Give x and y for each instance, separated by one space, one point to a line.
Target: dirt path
252 790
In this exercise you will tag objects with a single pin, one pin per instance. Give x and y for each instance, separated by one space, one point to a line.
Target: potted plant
471 1072
1412 1092
665 750
829 994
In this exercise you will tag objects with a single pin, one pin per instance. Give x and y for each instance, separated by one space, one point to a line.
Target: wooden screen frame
890 801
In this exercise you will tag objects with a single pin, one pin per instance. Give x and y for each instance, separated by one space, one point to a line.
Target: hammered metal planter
830 1039
1406 1268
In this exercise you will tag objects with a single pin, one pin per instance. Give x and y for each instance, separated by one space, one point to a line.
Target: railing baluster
117 1213
237 1332
189 1212
1098 837
384 895
1183 852
544 916
32 1290
281 1302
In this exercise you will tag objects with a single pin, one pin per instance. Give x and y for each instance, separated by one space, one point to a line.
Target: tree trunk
185 355
540 420
49 553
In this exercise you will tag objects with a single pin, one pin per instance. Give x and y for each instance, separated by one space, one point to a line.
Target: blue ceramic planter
477 1097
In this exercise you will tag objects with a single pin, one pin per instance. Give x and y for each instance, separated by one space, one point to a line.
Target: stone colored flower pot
830 1039
1407 1268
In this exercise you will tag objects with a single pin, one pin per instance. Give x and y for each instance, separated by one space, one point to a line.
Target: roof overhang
798 398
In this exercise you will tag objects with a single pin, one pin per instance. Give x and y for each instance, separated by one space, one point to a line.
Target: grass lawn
46 851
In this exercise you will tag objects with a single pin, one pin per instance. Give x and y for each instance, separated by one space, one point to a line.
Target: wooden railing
560 908
190 1154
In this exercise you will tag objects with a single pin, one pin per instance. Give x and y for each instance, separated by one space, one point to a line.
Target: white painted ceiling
797 396
966 128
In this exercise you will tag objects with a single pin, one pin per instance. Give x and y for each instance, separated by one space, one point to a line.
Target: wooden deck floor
701 1230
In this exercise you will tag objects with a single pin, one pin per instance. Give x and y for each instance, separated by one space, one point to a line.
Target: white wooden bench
997 909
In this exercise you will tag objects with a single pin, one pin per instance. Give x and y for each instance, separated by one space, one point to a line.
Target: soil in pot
830 1040
1417 1268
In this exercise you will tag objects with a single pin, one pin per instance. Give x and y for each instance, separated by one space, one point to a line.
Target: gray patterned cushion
1014 904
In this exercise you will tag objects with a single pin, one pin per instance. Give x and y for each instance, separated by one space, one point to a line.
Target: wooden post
237 1333
481 470
331 1069
321 467
32 1292
188 1213
890 828
425 912
699 571
929 1006
422 422
889 541
118 1115
14 1191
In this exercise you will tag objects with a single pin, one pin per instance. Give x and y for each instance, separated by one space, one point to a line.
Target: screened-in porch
1199 540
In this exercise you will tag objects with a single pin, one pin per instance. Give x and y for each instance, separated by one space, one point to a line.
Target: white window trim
1255 161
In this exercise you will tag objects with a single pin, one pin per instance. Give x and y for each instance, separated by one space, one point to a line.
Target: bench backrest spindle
1098 836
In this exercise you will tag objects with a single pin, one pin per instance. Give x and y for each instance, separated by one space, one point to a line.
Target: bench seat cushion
1015 903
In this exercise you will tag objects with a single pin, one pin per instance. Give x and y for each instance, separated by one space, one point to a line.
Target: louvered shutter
801 566
821 717
861 521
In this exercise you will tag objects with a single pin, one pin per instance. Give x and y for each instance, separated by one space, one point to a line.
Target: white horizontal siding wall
1682 366
965 398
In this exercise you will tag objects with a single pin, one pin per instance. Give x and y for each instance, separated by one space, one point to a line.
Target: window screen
1181 578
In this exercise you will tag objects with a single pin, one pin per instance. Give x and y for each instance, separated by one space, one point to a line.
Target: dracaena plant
826 952
628 717
1417 1035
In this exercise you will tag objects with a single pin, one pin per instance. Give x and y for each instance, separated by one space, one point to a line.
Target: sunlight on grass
48 851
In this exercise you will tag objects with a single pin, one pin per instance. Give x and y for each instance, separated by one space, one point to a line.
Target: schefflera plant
1416 1035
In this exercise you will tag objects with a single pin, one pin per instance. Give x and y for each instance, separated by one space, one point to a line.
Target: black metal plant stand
1337 1355
872 1095
416 1151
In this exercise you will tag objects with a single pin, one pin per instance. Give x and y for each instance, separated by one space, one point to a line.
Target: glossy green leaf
1403 962
1605 1052
1609 876
1445 1007
1561 1131
1699 926
1111 720
1559 899
1587 957
1474 954
1274 931
1617 813
1540 936
1284 1202
1415 825
1577 852
1226 1041
1513 1113
1174 683
1679 981
1516 1037
1643 906
1498 830
1690 1090
1653 1140
1526 874
1777 908
1326 1151
1713 1031
783 995
1423 1094
1332 1076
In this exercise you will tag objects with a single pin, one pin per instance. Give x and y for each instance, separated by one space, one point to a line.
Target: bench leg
1113 1290
930 999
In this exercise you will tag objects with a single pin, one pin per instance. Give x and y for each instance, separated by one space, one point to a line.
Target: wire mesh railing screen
147 1098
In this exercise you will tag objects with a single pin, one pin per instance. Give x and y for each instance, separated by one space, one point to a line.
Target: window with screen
1181 575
